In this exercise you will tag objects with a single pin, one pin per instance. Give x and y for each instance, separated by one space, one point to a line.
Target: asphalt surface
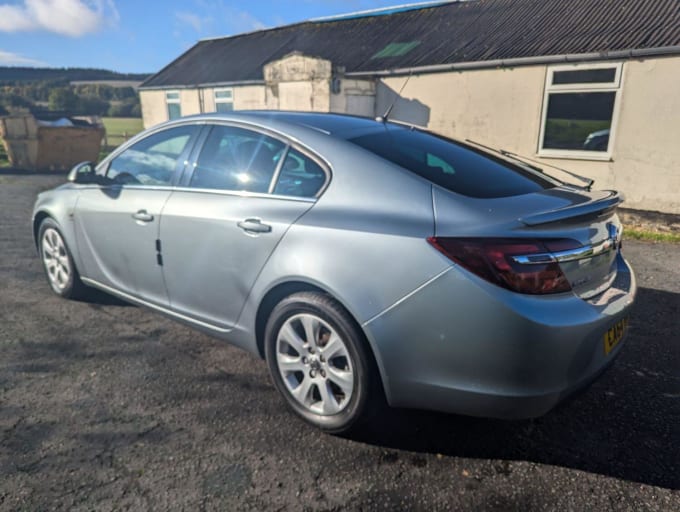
105 406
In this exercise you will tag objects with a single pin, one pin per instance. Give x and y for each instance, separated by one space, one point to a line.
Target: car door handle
254 226
142 215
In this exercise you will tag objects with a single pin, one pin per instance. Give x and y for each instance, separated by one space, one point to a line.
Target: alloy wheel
56 259
315 364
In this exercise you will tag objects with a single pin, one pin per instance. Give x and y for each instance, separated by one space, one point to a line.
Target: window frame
222 100
616 86
102 168
185 178
173 101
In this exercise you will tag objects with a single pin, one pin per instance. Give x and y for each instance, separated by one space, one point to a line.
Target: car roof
338 125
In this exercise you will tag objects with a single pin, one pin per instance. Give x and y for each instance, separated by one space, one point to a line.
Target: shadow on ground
627 425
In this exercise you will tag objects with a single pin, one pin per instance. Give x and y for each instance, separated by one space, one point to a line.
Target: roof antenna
385 117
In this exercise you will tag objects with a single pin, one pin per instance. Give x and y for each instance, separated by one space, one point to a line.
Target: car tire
331 381
58 263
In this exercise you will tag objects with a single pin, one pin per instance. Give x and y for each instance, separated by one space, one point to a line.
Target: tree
92 106
63 98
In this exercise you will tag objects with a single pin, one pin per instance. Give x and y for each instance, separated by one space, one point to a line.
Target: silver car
363 259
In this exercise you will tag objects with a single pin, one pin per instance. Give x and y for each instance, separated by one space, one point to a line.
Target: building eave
202 86
641 53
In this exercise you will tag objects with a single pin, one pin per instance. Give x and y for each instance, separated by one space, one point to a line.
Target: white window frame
616 86
229 100
173 101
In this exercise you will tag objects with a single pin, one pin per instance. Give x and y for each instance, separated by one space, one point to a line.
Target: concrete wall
195 101
154 110
502 108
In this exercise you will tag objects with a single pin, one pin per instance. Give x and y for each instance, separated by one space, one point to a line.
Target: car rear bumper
465 346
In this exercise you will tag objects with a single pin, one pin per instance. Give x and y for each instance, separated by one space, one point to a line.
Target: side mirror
81 173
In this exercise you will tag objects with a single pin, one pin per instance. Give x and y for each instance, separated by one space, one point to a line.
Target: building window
579 111
224 100
174 106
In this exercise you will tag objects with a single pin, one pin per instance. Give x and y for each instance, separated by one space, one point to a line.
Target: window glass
300 176
237 159
172 100
174 111
224 106
452 165
584 76
224 100
579 110
153 160
579 121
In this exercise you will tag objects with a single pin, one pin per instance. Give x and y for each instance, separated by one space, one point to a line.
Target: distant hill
13 75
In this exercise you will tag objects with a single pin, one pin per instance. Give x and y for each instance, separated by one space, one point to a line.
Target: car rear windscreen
457 167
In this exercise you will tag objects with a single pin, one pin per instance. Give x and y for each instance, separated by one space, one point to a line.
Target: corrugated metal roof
457 32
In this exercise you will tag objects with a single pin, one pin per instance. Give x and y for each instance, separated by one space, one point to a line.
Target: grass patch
650 236
120 129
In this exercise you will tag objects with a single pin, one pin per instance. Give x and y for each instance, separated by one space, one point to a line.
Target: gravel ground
105 406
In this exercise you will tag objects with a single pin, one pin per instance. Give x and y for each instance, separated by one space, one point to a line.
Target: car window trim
244 193
277 171
177 174
200 142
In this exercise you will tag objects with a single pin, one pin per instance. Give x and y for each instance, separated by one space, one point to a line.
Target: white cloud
14 59
72 18
217 18
194 21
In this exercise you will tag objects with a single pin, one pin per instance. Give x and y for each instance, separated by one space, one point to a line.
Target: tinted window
584 76
452 165
153 160
237 159
300 176
580 121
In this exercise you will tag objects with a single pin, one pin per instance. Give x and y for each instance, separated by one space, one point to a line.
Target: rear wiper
528 162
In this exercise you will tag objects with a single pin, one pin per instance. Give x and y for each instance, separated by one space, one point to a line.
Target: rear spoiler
592 207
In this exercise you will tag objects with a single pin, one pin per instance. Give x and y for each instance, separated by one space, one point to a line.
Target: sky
141 36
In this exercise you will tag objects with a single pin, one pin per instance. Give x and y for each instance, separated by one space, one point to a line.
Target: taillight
492 259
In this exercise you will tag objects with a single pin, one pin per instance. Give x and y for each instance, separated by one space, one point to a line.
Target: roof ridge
367 13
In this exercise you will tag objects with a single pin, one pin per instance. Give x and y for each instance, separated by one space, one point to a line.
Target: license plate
614 335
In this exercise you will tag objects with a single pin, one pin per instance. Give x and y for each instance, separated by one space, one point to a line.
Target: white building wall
502 108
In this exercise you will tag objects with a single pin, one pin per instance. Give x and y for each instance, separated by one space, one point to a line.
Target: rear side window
300 176
454 166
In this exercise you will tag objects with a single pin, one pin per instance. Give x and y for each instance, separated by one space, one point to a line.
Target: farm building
586 85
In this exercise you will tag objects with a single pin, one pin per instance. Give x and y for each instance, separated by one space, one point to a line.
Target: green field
120 129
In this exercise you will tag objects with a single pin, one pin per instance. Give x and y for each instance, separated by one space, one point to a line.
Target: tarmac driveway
105 406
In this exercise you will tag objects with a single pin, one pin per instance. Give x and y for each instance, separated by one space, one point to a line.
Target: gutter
662 51
525 61
198 86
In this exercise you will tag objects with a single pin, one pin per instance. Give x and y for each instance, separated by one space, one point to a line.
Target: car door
117 220
219 228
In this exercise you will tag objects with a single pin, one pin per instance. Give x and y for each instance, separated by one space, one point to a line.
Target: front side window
237 159
172 100
152 161
224 100
579 110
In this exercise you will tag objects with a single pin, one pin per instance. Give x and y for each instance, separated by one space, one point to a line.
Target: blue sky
140 35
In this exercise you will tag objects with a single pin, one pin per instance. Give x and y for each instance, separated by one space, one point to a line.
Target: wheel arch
38 218
285 289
